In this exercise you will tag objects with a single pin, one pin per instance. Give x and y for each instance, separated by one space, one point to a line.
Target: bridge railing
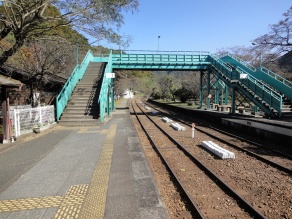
277 77
274 80
257 87
251 67
100 58
161 57
103 98
260 89
65 94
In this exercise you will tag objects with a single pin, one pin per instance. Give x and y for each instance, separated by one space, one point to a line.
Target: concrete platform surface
79 172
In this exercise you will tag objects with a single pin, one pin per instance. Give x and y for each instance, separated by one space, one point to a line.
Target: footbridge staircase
268 79
267 90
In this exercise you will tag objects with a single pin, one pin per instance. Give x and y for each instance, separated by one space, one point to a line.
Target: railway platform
79 172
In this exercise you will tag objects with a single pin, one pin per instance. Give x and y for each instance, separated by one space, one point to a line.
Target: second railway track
277 159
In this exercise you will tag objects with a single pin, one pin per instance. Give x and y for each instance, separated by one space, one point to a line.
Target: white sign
110 75
243 76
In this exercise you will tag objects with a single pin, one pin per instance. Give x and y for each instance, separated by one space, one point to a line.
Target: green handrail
163 59
275 81
76 75
259 88
103 98
251 67
277 77
265 93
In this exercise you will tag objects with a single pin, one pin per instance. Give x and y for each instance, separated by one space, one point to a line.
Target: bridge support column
256 108
217 93
110 97
108 102
226 95
101 109
208 90
201 89
233 100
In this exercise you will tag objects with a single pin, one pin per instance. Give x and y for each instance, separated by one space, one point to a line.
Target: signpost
110 75
193 130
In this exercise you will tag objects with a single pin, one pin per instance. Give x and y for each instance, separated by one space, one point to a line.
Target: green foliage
183 94
156 94
141 74
31 20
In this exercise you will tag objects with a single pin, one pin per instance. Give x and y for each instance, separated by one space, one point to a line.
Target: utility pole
158 44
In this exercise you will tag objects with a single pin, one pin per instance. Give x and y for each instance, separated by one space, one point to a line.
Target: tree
168 85
191 85
41 60
31 19
183 94
279 38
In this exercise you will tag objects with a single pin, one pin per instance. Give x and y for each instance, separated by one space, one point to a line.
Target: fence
24 120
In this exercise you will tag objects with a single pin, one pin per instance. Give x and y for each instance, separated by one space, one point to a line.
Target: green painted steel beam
161 67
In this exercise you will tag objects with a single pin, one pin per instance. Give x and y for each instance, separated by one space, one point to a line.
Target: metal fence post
40 111
15 123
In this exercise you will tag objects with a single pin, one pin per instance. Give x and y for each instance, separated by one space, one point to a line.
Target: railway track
207 194
272 157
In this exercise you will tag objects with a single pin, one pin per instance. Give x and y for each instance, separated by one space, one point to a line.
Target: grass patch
178 104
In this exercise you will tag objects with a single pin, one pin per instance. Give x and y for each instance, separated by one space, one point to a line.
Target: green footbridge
266 90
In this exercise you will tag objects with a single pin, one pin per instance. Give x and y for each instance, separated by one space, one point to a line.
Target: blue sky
200 25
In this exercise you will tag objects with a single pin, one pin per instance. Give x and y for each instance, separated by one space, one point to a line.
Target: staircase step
86 85
80 116
85 90
83 107
80 111
85 93
80 122
87 97
286 110
87 102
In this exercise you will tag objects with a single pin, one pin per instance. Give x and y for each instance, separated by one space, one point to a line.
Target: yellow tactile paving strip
72 202
95 200
80 201
71 198
30 203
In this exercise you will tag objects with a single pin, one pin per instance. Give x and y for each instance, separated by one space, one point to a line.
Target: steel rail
197 213
271 163
246 205
254 143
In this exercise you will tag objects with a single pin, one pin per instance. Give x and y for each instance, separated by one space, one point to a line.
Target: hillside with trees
39 40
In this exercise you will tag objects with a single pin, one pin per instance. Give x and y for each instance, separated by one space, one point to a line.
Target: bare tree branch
33 18
279 38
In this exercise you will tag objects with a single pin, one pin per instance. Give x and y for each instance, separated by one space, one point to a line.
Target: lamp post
77 47
261 54
158 44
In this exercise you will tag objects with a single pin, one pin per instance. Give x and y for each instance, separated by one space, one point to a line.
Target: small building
7 83
128 94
